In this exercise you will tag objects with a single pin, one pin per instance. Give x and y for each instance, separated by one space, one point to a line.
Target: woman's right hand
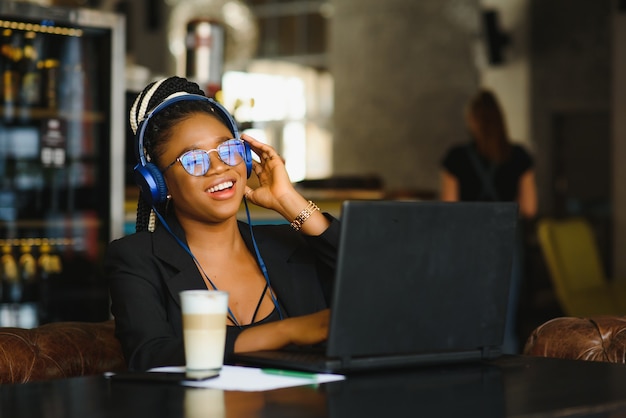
299 330
274 182
308 329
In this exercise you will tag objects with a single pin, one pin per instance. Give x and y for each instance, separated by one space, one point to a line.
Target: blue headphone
148 176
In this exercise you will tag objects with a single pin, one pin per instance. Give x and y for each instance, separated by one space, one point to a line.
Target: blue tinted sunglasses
197 162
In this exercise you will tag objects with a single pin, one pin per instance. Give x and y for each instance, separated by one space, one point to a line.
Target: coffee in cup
204 330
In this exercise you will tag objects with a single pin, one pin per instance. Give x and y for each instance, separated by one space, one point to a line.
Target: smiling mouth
221 186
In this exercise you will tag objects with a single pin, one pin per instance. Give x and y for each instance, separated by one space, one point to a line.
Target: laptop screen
421 277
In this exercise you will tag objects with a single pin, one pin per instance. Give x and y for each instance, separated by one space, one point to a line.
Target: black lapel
181 271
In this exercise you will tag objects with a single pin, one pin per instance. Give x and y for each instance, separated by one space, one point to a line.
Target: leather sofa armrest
59 350
598 338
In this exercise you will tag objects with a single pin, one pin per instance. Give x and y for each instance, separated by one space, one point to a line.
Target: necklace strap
209 284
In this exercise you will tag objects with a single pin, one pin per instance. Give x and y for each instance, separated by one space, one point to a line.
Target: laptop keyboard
300 355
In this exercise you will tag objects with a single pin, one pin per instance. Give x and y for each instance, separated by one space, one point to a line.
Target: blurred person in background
490 167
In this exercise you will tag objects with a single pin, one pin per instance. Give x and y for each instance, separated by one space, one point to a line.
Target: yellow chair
570 250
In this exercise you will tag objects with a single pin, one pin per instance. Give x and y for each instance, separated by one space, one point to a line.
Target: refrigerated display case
61 160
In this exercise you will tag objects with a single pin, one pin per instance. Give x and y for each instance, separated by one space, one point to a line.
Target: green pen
290 373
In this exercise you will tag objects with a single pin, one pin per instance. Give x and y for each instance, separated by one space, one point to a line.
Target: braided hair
158 132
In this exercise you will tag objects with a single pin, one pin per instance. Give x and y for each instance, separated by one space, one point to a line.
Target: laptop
416 283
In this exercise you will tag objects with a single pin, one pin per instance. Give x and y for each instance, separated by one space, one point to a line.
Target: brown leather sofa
598 338
59 350
69 349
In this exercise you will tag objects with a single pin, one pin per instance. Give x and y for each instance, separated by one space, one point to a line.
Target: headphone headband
178 97
147 175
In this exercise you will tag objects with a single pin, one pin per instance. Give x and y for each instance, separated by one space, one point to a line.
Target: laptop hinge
491 352
345 361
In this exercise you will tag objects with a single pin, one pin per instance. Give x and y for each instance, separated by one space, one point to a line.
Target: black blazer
146 271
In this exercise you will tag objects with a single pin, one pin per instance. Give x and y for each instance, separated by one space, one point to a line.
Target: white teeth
221 186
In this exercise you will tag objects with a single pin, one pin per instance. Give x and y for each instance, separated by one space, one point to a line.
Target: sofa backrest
59 350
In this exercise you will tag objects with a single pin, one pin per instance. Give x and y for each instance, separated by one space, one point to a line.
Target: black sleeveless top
504 176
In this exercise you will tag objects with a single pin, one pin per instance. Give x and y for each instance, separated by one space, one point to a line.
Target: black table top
511 386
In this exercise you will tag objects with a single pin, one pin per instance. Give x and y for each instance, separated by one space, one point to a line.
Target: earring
168 200
151 221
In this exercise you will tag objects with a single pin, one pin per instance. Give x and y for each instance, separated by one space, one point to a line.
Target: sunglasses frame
226 143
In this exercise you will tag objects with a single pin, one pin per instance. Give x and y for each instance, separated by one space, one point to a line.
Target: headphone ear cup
247 158
151 183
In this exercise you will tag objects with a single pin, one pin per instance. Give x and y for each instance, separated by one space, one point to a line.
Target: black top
504 177
146 272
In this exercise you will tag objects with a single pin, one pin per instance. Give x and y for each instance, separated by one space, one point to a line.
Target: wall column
403 71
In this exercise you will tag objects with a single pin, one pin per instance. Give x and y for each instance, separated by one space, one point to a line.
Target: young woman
489 167
192 174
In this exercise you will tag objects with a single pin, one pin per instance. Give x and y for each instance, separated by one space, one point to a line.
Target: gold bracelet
304 215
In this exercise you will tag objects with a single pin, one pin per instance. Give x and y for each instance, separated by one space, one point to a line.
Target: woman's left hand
274 182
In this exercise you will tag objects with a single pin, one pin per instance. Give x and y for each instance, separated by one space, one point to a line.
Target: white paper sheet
251 379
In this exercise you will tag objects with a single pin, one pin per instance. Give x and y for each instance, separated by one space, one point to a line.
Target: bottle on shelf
11 286
31 69
28 274
48 263
28 316
10 58
50 267
49 85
